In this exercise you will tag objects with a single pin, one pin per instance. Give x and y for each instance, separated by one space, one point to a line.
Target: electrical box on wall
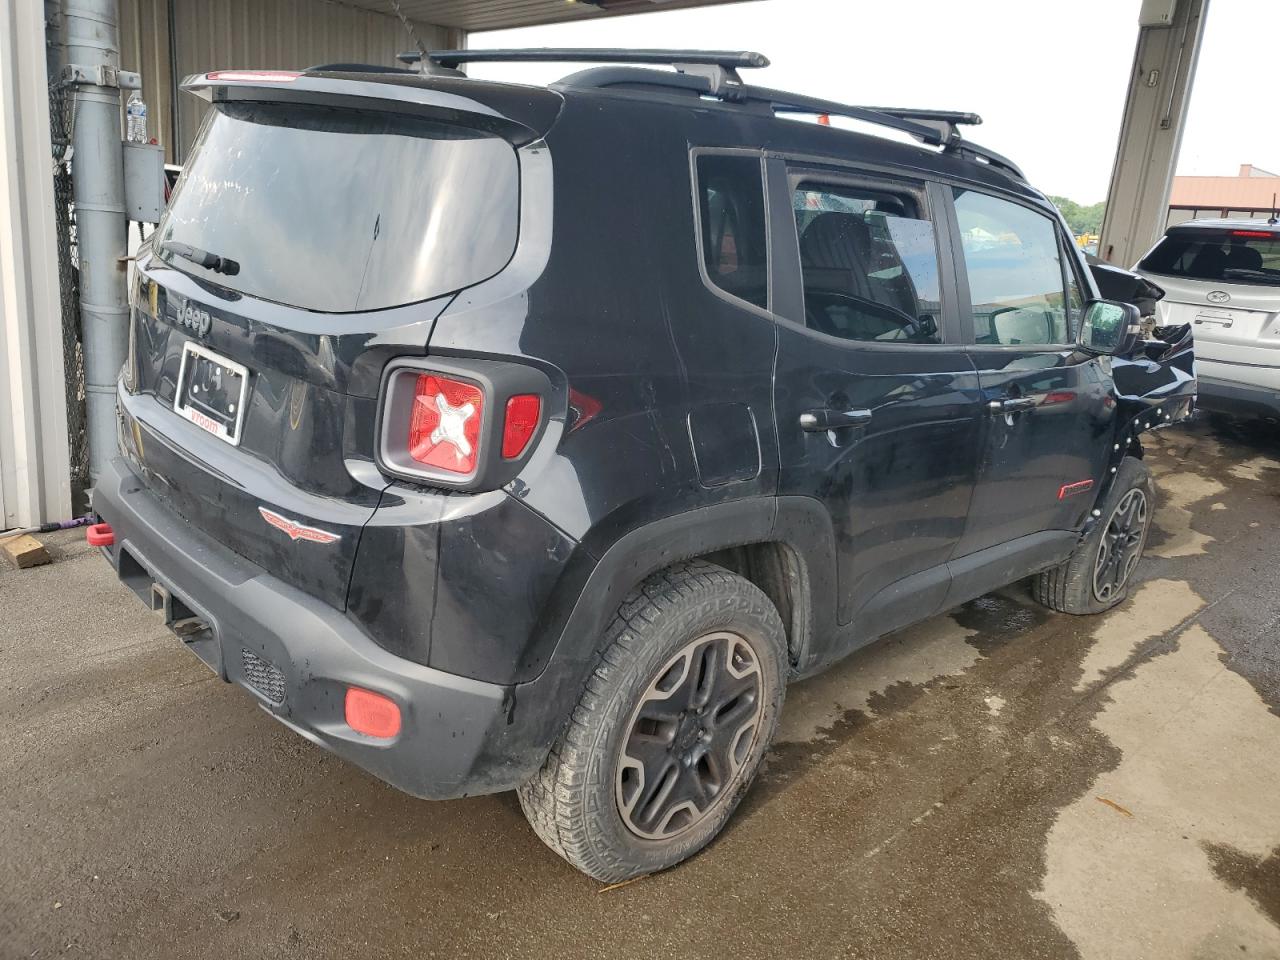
143 181
1157 13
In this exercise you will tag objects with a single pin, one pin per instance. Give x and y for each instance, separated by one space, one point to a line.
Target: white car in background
1223 278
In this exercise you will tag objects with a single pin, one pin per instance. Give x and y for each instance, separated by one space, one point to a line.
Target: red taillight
269 76
524 413
444 429
372 714
1259 234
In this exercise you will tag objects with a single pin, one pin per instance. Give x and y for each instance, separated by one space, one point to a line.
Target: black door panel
898 482
1047 406
1061 415
877 416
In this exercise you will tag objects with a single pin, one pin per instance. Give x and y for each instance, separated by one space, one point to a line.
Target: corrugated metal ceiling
501 14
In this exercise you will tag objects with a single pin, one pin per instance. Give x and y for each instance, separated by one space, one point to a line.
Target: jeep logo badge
194 319
1218 296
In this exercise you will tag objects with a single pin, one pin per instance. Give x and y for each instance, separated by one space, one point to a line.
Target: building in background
1250 195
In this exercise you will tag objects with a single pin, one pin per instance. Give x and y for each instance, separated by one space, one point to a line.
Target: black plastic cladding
605 302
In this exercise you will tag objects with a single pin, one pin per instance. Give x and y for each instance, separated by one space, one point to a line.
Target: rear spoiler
518 115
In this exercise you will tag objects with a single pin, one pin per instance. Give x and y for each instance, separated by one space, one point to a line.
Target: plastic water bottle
135 112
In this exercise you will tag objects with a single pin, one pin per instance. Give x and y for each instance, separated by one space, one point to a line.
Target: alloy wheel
689 736
1121 546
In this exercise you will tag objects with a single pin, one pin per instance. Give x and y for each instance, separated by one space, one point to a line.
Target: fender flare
798 523
538 709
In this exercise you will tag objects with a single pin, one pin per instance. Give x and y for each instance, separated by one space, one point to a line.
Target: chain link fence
62 111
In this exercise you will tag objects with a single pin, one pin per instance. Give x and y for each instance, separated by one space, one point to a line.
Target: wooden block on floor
25 551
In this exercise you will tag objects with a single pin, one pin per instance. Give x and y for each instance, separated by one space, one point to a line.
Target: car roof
762 117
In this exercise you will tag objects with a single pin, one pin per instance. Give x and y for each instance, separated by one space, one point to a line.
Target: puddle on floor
1127 868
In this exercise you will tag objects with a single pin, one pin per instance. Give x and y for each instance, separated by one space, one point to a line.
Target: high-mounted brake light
372 714
265 76
444 428
1259 234
524 413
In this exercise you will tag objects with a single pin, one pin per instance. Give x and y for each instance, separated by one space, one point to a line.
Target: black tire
1081 585
688 618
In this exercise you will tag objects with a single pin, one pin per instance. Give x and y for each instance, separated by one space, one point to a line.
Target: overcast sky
1048 79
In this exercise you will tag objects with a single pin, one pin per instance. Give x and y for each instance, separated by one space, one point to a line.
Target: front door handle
820 421
1012 405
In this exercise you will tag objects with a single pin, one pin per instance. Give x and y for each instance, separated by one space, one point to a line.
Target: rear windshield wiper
201 258
1267 277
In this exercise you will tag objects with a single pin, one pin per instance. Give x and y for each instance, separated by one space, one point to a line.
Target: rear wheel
1098 574
670 730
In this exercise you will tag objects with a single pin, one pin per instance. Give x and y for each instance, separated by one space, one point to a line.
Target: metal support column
91 61
1164 68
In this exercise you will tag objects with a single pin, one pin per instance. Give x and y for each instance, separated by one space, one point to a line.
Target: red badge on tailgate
297 531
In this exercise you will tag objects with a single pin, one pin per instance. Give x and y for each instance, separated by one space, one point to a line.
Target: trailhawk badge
297 531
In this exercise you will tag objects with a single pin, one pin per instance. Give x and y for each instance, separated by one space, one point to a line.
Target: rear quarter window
732 213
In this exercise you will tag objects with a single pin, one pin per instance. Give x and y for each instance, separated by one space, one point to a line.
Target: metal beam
92 62
1164 67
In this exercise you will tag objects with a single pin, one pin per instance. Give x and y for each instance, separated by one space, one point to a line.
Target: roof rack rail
937 128
719 70
719 67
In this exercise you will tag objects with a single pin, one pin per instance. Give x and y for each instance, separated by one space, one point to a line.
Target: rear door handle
1012 405
820 421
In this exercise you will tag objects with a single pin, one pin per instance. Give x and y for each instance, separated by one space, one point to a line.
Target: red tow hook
100 535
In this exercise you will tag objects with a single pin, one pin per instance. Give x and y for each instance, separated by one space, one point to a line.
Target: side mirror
1110 327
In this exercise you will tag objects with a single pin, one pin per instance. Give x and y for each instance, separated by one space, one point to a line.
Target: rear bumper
296 655
1242 400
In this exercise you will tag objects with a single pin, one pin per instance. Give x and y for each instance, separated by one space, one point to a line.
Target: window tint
870 265
338 210
1015 271
731 193
1219 255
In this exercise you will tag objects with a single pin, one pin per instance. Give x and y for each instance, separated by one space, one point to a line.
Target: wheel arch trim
800 524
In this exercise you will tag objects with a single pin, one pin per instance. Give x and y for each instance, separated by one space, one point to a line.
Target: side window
870 265
1015 271
734 249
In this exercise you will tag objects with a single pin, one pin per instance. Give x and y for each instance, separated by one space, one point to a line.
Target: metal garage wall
35 476
268 34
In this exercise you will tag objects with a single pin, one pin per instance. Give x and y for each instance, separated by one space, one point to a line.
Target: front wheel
1098 574
670 730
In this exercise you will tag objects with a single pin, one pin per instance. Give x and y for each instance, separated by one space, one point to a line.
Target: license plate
211 392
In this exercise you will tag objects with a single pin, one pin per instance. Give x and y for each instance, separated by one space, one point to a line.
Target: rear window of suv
1219 255
336 210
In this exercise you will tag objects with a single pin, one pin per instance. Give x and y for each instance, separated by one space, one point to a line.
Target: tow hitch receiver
178 617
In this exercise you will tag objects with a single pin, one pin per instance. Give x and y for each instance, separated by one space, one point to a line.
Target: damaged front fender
1155 385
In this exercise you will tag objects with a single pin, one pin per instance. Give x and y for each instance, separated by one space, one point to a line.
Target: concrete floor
997 782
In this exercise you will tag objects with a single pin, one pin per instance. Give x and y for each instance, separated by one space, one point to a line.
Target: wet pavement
997 782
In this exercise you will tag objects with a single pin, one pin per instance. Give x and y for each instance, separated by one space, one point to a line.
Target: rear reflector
524 412
444 429
372 714
267 76
100 535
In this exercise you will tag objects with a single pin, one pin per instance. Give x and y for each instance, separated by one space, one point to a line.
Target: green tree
1081 219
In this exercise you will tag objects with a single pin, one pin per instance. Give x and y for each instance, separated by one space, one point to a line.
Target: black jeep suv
501 437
